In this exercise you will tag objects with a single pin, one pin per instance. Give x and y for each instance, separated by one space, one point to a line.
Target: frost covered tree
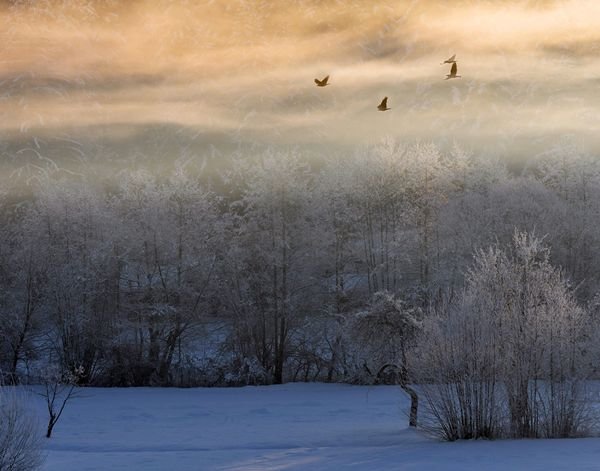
384 336
166 251
475 220
21 306
338 218
573 175
268 270
379 198
398 190
510 356
73 225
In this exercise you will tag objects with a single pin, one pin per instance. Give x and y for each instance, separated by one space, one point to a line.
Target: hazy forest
279 268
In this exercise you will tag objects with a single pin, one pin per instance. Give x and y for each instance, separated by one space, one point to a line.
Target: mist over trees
281 269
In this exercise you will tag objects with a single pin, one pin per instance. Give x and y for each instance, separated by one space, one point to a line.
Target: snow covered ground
288 427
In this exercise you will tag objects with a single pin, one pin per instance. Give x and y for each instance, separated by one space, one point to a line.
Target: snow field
287 427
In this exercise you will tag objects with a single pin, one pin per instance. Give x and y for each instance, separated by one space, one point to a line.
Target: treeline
282 270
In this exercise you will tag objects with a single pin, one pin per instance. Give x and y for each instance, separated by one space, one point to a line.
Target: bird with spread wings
323 82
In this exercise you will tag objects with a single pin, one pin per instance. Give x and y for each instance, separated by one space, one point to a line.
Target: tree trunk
403 382
51 423
414 404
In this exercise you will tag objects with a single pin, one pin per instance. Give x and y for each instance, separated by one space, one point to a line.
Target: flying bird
453 71
449 61
322 83
383 105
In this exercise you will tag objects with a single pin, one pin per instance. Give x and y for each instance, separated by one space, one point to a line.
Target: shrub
20 433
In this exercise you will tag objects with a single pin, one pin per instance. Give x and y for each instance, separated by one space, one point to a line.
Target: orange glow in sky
243 70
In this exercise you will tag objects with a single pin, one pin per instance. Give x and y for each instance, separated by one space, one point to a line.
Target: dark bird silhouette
383 105
453 71
322 83
450 61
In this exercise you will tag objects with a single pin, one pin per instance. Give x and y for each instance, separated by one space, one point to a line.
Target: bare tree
58 389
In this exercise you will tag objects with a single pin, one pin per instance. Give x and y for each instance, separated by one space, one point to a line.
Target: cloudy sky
220 72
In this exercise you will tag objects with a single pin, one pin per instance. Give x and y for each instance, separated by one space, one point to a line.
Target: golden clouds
245 68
